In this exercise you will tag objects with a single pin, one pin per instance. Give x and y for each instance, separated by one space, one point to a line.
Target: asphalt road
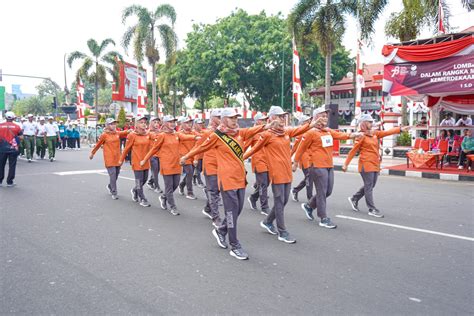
68 248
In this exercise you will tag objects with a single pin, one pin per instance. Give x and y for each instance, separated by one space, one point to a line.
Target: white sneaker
460 167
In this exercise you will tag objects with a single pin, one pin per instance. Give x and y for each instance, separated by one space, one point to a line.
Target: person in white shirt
52 137
29 135
448 121
41 138
464 121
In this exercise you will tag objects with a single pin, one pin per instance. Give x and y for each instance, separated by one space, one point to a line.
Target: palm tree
104 63
323 22
144 35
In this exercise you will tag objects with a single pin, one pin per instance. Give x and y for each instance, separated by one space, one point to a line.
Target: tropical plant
97 65
145 34
122 118
322 22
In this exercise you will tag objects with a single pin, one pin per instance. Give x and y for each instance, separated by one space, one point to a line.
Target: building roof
347 84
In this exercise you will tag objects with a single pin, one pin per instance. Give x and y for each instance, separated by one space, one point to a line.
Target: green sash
232 144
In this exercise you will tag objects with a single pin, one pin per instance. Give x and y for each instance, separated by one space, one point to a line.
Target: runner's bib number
326 140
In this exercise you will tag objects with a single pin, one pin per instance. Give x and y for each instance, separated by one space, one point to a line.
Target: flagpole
282 75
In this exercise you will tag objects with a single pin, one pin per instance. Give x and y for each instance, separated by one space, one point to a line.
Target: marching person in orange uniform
319 142
227 140
154 182
369 162
199 129
304 164
188 169
276 142
138 142
109 140
260 168
167 145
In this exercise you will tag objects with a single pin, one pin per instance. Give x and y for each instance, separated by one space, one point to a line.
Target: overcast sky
35 35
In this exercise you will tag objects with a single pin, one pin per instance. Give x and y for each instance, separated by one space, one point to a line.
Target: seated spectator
442 136
448 120
464 121
467 148
422 123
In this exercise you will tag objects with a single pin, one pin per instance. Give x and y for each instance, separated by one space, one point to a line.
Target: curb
415 174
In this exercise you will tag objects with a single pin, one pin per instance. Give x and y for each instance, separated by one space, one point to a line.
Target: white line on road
406 227
69 173
120 177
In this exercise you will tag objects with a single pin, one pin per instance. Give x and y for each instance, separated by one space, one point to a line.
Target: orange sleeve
247 133
123 134
208 144
128 146
382 134
265 137
339 135
99 143
183 136
304 144
156 146
295 146
353 151
296 131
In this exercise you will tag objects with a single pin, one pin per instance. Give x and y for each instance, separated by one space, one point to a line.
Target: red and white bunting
296 79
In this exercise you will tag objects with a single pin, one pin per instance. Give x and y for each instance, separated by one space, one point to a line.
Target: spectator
423 123
69 134
10 135
62 134
464 121
467 148
76 137
442 136
448 120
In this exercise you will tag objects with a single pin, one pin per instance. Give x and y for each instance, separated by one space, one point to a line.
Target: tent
438 71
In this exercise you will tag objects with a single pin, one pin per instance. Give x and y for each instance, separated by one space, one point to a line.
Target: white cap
110 120
365 118
30 115
41 118
10 115
50 118
199 121
216 112
259 116
303 119
229 112
23 119
181 119
320 110
141 118
169 118
276 110
154 118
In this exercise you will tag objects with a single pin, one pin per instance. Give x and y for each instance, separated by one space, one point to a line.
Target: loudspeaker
333 116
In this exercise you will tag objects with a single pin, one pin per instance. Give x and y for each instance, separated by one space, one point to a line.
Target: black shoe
109 188
180 190
354 204
265 211
285 237
294 196
326 223
207 213
308 211
239 254
144 203
134 195
174 211
375 213
253 204
162 202
219 238
268 227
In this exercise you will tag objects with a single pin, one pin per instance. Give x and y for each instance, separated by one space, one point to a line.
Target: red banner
444 76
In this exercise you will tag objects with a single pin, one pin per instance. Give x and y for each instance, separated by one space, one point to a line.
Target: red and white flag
296 79
80 99
441 29
141 98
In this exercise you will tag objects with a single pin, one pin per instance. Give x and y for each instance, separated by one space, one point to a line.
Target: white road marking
406 228
120 177
69 173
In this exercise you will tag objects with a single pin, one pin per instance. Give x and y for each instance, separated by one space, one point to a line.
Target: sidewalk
397 167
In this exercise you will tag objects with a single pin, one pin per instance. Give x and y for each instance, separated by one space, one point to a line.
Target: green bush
122 118
404 139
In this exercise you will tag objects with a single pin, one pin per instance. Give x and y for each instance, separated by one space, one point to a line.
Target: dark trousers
70 142
113 176
323 179
171 183
188 172
12 158
370 180
77 142
306 182
212 194
462 156
261 189
233 204
155 171
140 179
197 172
281 193
63 143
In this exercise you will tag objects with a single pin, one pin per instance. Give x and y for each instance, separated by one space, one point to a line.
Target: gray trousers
281 192
140 179
370 179
171 183
212 194
306 182
188 172
113 176
197 172
323 179
233 204
261 189
155 171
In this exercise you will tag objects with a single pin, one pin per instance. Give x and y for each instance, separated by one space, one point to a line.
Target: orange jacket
186 145
168 147
368 146
139 144
319 144
209 165
305 162
278 153
259 159
110 143
203 134
153 137
230 169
